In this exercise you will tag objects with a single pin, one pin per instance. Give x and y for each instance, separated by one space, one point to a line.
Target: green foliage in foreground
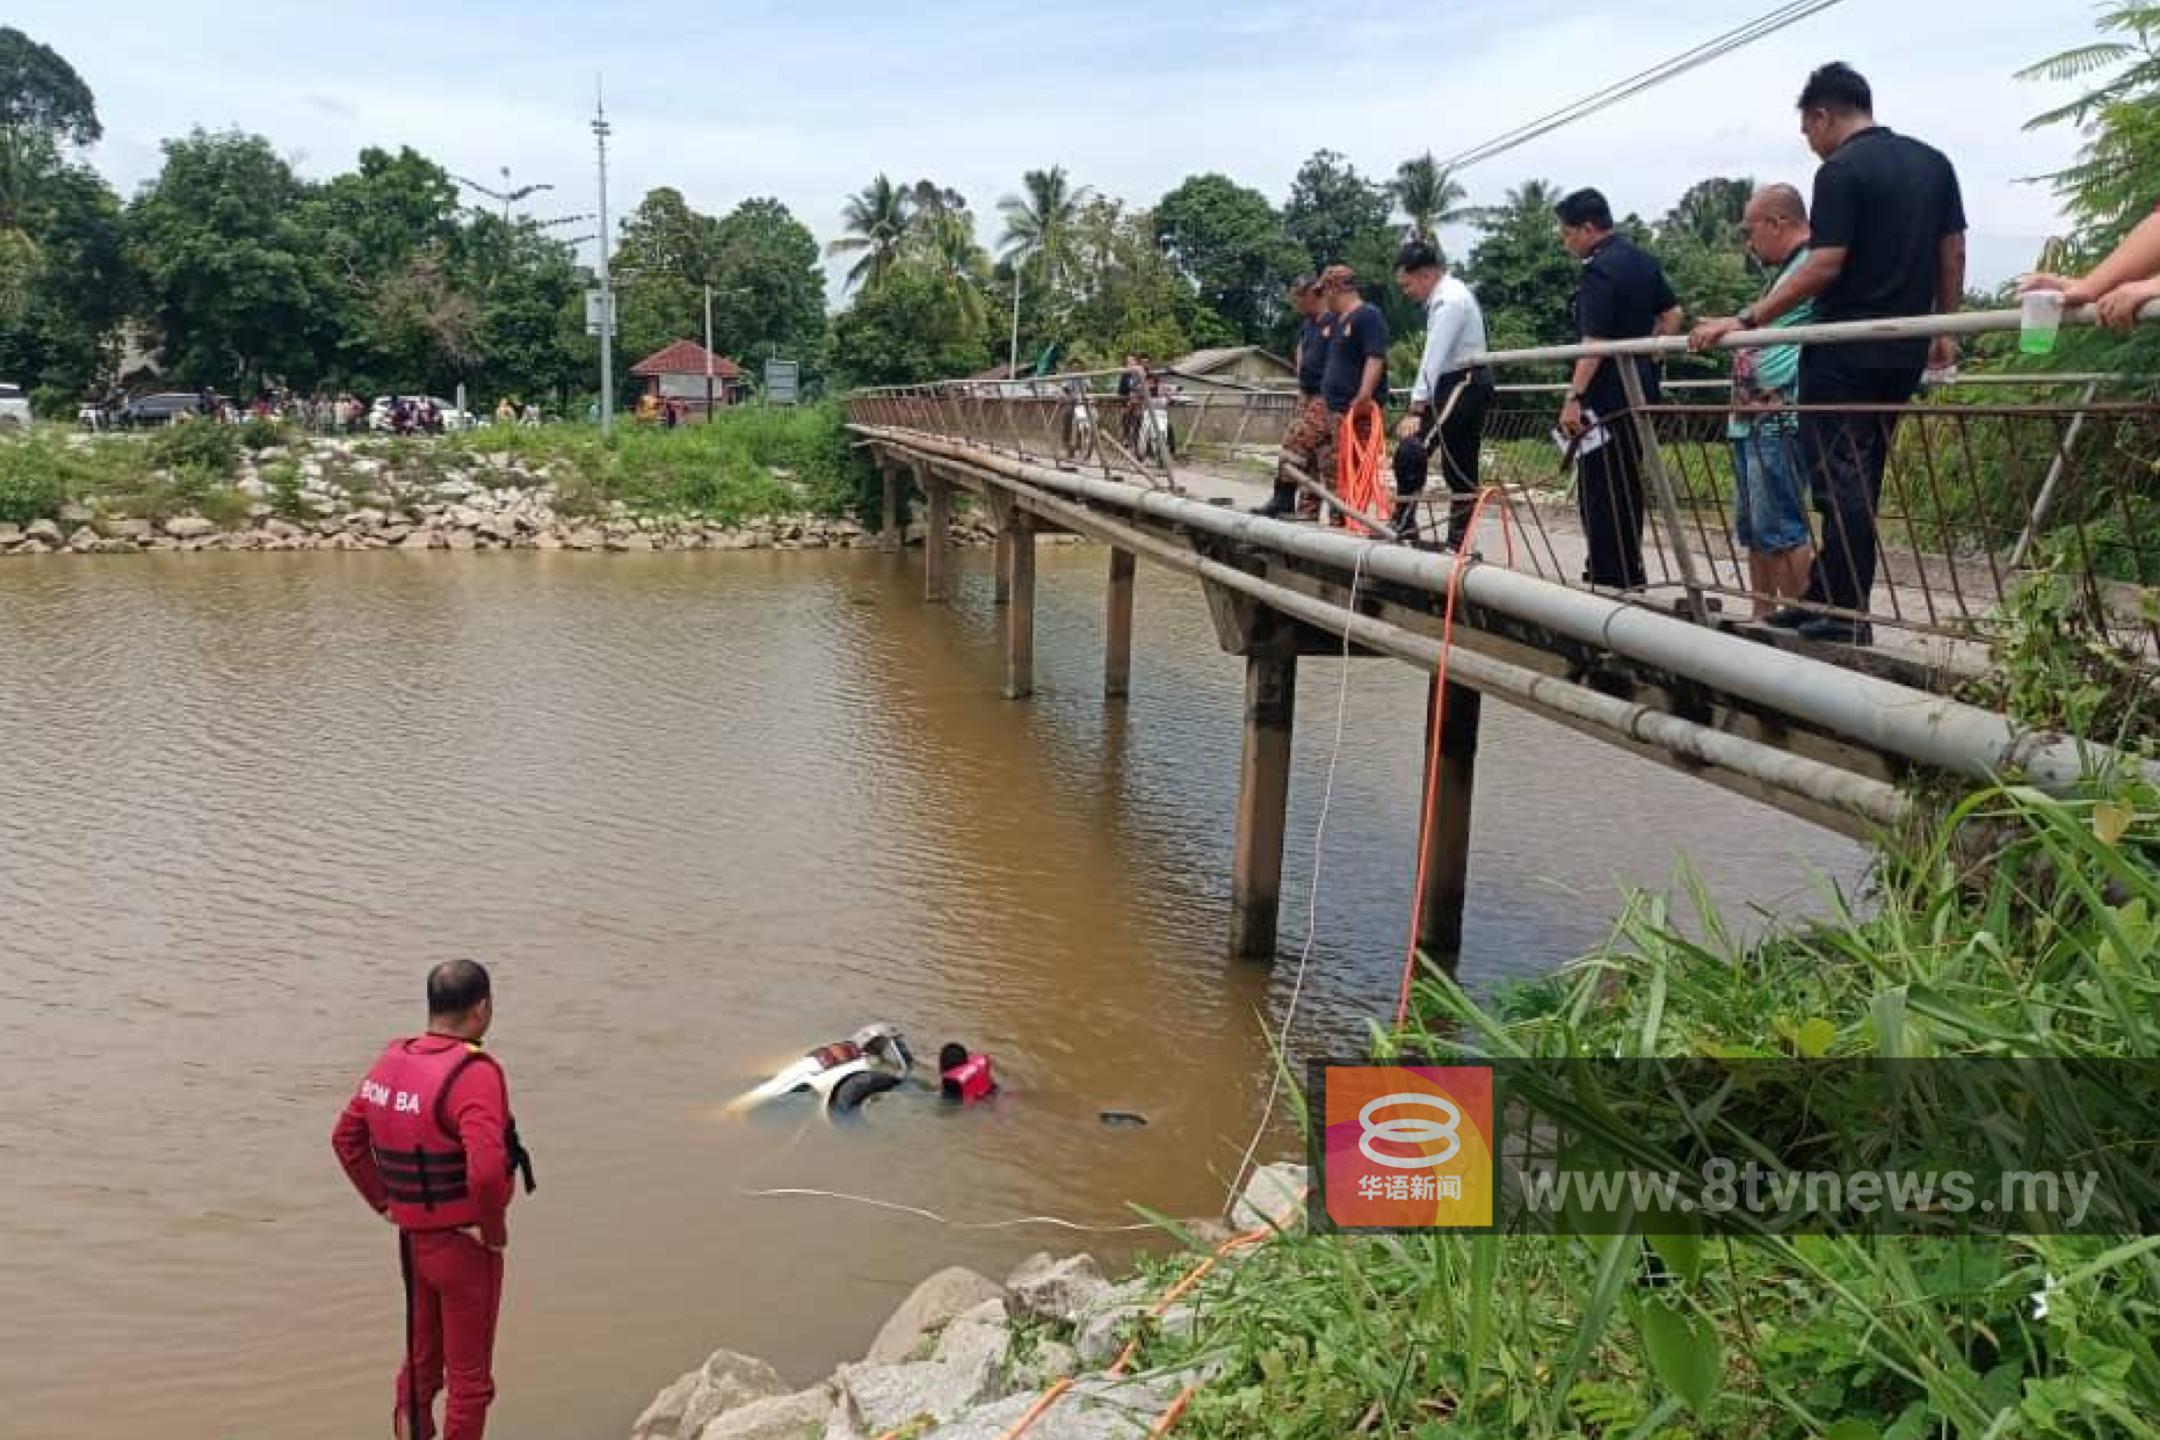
2017 926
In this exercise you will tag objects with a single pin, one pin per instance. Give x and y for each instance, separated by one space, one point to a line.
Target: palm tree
1709 213
1039 221
878 220
942 239
1429 194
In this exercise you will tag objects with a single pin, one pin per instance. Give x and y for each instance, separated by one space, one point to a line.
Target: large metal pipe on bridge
1929 730
1839 790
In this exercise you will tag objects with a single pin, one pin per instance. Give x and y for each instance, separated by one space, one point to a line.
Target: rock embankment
964 1357
332 498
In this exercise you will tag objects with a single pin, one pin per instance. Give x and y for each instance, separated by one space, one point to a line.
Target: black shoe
1272 510
1835 631
1790 617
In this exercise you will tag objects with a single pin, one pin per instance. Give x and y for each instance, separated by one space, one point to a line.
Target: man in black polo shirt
1889 239
1623 295
1356 364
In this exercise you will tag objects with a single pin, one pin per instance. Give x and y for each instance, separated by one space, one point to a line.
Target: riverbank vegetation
2010 924
748 463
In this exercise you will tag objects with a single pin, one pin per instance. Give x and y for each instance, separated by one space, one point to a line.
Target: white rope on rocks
791 1191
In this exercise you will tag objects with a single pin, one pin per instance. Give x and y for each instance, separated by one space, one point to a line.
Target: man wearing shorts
1769 514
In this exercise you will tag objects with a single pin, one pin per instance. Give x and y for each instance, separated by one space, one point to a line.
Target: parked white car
14 408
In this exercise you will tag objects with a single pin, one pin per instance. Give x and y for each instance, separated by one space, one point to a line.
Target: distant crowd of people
1883 237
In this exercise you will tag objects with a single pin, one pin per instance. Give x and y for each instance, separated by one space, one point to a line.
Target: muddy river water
697 812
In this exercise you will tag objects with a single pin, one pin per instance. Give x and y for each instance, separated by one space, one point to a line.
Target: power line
1715 48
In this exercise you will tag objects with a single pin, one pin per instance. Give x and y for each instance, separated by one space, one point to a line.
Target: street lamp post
708 356
1012 358
601 130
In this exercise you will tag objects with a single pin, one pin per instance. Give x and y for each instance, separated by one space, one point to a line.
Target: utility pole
1012 359
708 355
600 131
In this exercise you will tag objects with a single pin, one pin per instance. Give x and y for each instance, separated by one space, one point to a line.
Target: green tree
529 291
384 239
1428 195
1039 223
941 239
1332 207
75 293
665 256
1230 246
1126 294
877 219
768 288
1525 281
229 275
1704 253
905 329
44 107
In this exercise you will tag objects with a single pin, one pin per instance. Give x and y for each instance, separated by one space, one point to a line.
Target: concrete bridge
1826 732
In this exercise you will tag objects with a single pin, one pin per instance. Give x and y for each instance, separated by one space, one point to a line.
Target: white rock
188 527
74 513
282 530
887 1397
121 529
662 1419
585 537
630 542
1274 1196
420 540
727 1381
251 487
1095 1408
1048 1288
782 1417
932 1306
366 518
83 540
43 530
547 540
463 540
10 534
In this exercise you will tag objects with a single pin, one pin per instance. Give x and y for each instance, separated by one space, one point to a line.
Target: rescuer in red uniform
964 1076
430 1144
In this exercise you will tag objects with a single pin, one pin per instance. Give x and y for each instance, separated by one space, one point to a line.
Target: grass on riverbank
2018 926
748 463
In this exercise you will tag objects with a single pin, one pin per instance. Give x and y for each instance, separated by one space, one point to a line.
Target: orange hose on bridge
1361 477
1432 740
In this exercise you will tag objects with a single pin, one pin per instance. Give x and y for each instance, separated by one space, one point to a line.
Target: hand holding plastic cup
2039 318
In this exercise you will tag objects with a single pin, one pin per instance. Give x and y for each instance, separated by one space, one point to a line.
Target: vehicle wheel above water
849 1094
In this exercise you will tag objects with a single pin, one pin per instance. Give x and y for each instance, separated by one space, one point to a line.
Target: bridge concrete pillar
1263 803
1117 626
936 543
1446 861
1019 535
1001 565
889 536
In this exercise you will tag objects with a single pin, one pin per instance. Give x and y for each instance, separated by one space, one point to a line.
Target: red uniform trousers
453 1286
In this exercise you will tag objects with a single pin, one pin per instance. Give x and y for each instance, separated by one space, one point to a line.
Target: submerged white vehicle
843 1074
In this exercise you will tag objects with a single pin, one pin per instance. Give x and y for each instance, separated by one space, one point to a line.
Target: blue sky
808 102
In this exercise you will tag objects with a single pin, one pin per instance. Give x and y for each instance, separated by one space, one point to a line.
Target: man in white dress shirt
1449 399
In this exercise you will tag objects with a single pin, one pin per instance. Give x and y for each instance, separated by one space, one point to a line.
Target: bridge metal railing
1988 477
